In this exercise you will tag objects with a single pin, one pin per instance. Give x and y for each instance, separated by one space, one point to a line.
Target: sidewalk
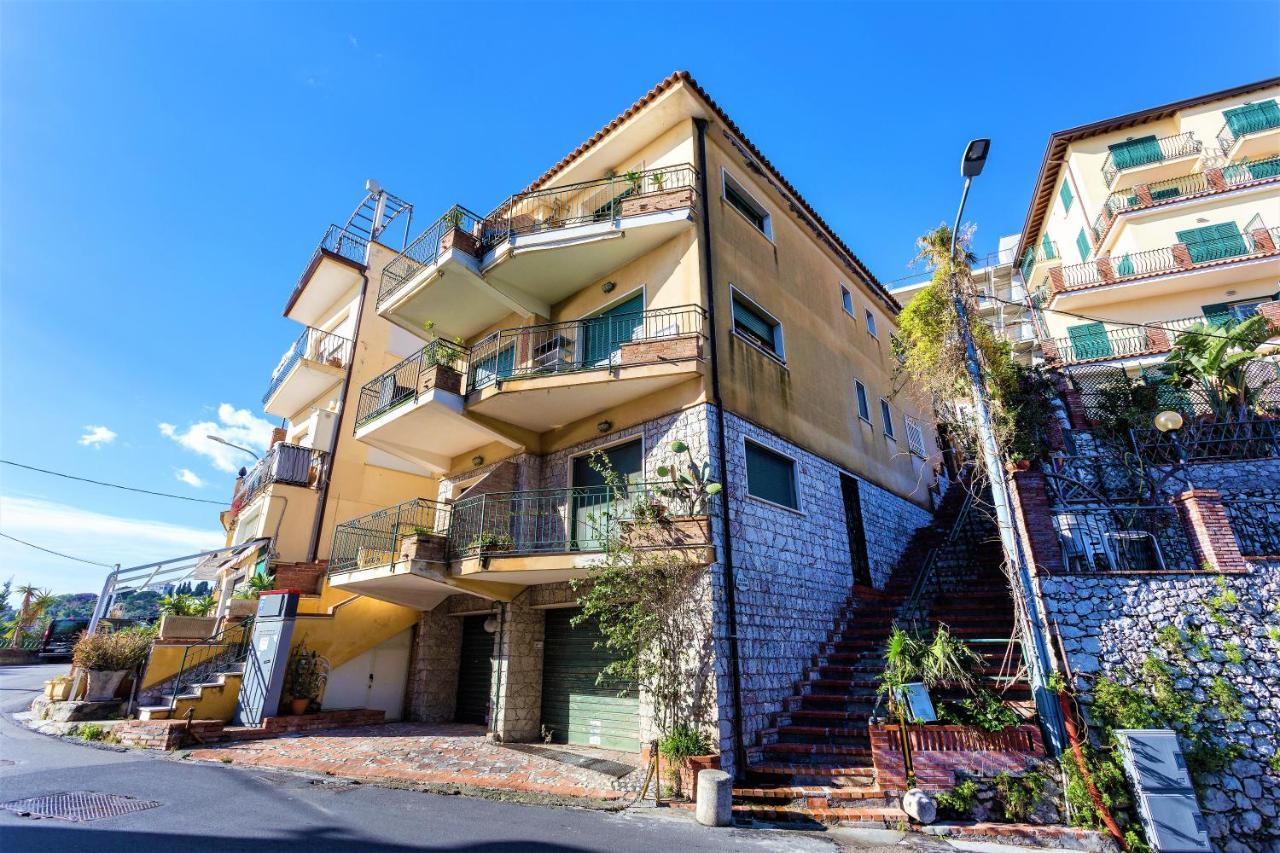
452 756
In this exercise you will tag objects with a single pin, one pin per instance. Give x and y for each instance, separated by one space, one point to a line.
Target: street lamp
229 444
1169 422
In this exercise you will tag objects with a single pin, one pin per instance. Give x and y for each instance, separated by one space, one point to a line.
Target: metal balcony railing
1124 341
553 521
1154 151
1162 260
313 345
586 344
1123 538
374 539
403 383
1040 252
1243 125
1256 524
290 464
427 246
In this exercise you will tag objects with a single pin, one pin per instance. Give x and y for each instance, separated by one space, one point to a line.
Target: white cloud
96 436
189 477
238 426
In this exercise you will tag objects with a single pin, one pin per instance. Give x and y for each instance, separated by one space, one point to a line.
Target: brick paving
449 754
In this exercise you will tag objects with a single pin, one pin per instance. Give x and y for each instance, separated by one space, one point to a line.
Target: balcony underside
429 431
533 569
453 295
1255 145
541 403
331 277
1224 272
412 583
305 381
1147 173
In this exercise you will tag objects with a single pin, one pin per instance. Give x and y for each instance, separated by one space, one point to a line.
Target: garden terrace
1123 539
1217 441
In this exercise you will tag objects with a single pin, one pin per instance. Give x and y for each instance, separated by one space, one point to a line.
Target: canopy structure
203 566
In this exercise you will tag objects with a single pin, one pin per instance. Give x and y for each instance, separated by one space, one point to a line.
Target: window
846 299
886 415
737 195
871 323
915 436
864 408
1064 193
1083 245
771 476
756 326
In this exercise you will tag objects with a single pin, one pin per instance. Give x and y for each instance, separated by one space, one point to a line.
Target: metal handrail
402 383
371 538
1162 260
219 654
910 612
1125 342
290 464
314 345
575 345
426 248
1167 148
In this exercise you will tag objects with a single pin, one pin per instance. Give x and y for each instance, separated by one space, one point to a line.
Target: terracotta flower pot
298 707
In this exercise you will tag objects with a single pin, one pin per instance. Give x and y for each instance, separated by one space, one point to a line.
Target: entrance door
604 334
594 507
574 707
857 535
475 669
372 679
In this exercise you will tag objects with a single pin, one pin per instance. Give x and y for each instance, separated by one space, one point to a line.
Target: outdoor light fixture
604 426
1168 420
477 461
491 624
975 157
229 444
609 286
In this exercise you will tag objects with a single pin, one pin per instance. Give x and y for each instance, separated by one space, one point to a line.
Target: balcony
1251 130
543 377
284 464
1233 176
467 272
1215 261
415 409
1043 253
336 266
1150 159
315 363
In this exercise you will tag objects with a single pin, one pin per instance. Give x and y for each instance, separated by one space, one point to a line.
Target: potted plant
453 235
488 542
244 601
109 657
185 616
305 678
687 750
441 360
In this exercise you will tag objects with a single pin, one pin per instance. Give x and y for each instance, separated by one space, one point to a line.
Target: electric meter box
262 683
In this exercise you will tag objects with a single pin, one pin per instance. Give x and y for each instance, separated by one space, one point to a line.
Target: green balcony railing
374 539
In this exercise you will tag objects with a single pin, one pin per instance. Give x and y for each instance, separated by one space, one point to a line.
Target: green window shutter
756 327
1047 245
1252 118
1082 243
1169 192
1125 266
1217 313
1212 242
1269 168
1064 193
1136 152
1089 340
771 476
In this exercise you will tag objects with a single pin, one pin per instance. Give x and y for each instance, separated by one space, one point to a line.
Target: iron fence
313 345
1219 441
457 223
1243 125
1165 259
404 382
341 242
1123 538
1256 524
374 539
601 200
584 344
202 663
1093 478
290 464
1165 148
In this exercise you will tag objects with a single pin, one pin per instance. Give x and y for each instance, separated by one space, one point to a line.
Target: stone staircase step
884 816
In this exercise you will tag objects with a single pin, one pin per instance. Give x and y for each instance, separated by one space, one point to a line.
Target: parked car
60 635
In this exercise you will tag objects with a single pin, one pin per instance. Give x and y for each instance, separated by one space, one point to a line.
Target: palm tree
35 601
1217 359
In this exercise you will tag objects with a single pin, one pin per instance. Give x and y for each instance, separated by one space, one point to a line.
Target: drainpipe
730 595
316 526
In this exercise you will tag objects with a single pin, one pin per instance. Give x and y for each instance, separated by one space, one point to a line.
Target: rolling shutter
575 707
1136 152
475 669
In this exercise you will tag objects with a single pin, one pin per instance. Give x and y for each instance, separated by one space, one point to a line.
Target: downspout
317 525
730 596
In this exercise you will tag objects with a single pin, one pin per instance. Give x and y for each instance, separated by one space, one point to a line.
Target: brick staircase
814 763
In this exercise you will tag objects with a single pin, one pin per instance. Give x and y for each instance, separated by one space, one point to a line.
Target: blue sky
166 169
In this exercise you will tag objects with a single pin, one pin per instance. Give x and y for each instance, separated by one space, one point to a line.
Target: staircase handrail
908 612
193 660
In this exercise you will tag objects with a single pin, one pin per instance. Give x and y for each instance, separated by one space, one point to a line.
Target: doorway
858 559
593 506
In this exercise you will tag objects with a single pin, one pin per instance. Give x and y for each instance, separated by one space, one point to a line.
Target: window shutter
1089 340
771 476
1064 193
1136 152
1082 243
754 323
1047 245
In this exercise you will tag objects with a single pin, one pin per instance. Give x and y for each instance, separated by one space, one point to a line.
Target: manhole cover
78 805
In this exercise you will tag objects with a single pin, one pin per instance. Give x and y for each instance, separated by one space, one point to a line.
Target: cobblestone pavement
452 754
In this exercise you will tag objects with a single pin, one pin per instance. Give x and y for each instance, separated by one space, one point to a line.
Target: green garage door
574 707
475 666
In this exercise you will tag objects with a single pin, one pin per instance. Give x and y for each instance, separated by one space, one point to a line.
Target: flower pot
58 689
668 531
689 768
103 684
298 707
186 627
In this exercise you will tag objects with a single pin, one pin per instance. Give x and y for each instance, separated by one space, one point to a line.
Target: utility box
1167 803
268 658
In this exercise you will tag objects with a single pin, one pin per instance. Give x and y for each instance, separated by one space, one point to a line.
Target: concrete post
715 798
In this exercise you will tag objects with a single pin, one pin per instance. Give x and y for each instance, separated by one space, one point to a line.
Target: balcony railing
601 200
374 539
1153 151
1124 538
576 345
1243 125
290 464
1220 441
427 247
404 382
1040 252
1123 342
554 521
1180 256
1256 524
313 345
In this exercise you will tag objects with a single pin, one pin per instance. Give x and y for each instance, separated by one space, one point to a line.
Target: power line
56 553
113 485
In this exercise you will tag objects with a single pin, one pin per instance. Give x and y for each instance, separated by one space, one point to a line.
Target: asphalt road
215 808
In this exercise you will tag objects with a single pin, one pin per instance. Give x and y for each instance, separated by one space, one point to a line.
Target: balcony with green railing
1250 129
1037 255
1148 157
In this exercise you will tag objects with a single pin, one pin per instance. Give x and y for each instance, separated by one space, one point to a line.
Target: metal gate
575 707
475 669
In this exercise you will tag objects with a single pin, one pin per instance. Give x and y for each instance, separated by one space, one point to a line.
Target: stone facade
433 668
516 713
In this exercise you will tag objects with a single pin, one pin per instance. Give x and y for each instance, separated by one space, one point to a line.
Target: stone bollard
919 806
715 798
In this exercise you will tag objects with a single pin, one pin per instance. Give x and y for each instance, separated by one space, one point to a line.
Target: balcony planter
440 376
491 543
672 199
241 608
456 238
186 627
674 531
676 348
425 547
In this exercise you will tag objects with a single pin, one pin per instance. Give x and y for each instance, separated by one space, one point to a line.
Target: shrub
1019 794
127 649
684 741
88 731
958 802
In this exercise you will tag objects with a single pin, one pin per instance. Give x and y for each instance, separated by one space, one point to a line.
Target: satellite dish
372 186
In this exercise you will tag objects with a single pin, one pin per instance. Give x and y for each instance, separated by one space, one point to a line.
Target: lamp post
212 437
1169 422
975 157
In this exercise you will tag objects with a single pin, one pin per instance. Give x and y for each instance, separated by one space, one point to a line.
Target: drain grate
78 805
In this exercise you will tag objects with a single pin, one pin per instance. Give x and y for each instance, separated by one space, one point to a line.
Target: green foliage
1207 756
984 710
1274 762
487 540
1223 695
307 673
683 741
1057 682
182 604
1018 795
1273 633
933 660
959 801
1124 404
111 652
688 485
1215 359
1233 654
88 731
1222 603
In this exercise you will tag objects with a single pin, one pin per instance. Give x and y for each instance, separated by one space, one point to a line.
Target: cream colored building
1145 224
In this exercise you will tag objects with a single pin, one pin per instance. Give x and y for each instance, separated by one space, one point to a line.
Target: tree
35 602
1216 359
